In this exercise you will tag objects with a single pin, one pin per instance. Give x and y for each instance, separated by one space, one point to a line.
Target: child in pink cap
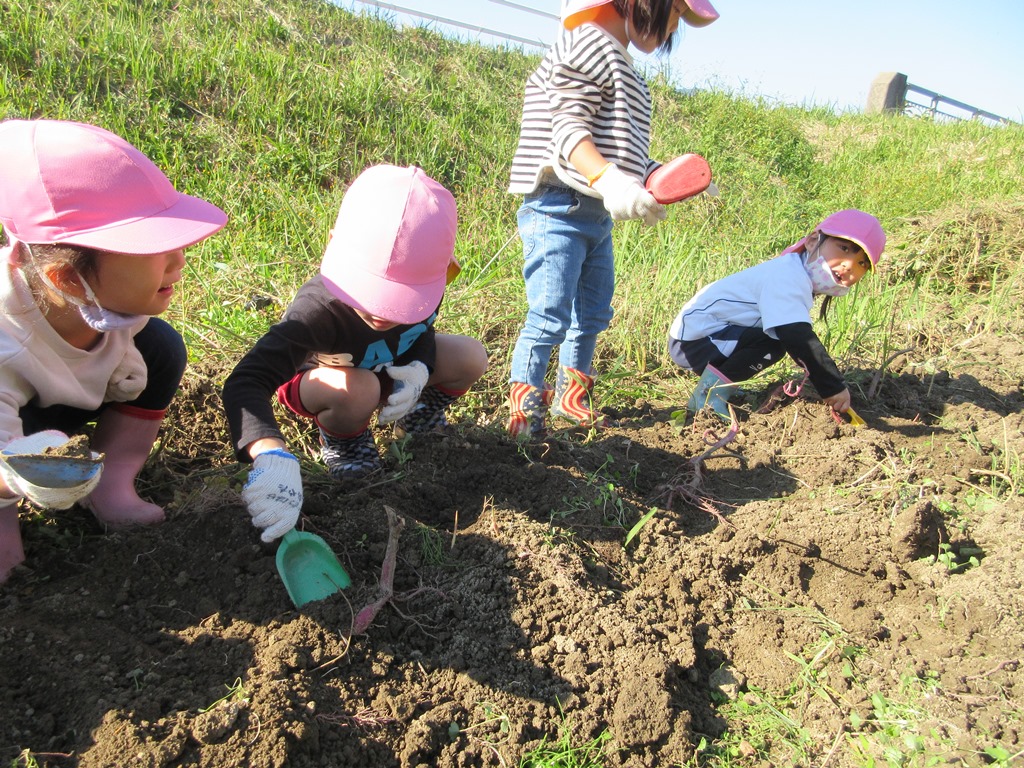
582 162
94 239
739 325
356 338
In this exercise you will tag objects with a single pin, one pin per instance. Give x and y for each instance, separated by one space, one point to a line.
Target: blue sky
803 52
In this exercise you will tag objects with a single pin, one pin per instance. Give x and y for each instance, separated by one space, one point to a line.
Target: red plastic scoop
684 177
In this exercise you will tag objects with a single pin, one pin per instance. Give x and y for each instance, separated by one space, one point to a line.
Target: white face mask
823 281
94 315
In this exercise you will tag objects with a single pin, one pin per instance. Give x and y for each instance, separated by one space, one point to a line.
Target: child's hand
273 493
840 402
409 383
626 198
48 498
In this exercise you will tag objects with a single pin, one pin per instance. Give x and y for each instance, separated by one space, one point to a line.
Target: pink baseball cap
855 226
698 13
67 182
392 244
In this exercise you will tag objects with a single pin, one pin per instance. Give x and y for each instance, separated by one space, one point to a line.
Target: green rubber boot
713 390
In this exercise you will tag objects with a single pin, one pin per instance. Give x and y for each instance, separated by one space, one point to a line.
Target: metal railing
937 102
890 92
536 43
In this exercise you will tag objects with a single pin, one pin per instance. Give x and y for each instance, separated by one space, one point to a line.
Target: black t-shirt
317 330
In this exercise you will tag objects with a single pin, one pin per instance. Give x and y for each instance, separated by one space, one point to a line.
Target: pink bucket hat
392 244
67 182
698 13
855 226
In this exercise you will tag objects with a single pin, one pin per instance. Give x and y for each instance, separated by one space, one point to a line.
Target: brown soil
517 607
75 448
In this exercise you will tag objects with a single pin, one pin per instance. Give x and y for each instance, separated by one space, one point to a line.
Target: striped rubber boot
350 458
574 399
429 413
527 410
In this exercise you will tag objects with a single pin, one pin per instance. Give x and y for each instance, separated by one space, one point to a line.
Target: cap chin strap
93 313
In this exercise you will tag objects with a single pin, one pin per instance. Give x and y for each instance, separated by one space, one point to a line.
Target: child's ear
66 279
812 240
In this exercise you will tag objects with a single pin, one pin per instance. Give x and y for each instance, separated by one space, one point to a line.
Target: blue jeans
569 271
164 353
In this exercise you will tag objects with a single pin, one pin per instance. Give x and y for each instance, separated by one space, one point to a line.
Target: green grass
271 111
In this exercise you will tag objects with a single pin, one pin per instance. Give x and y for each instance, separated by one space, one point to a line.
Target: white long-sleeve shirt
38 365
773 293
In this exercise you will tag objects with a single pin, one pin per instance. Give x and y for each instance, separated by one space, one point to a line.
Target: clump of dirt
527 599
75 448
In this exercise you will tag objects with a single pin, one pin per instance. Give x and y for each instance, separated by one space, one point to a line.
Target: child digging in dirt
581 164
357 337
93 243
737 326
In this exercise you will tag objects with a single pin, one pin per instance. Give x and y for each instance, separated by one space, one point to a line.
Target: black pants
755 350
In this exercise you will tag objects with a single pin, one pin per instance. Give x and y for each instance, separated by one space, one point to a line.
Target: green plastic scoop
309 568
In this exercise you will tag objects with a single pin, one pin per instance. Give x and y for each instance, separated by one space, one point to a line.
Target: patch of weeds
611 504
26 759
400 450
679 420
607 499
564 753
492 729
760 731
997 755
895 733
432 545
639 525
569 507
952 514
236 692
553 537
956 558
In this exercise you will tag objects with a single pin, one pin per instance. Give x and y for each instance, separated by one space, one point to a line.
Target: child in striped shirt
581 164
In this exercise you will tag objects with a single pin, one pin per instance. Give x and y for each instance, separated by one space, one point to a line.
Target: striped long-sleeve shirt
586 87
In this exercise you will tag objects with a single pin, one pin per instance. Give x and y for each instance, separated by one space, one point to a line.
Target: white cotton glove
48 498
626 198
273 493
409 383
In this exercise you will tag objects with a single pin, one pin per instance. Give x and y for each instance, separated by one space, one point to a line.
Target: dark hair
649 17
42 256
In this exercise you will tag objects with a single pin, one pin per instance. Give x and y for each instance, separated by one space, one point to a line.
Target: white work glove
409 383
48 498
273 493
626 198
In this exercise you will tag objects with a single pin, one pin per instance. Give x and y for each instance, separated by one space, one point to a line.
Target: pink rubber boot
126 435
11 551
